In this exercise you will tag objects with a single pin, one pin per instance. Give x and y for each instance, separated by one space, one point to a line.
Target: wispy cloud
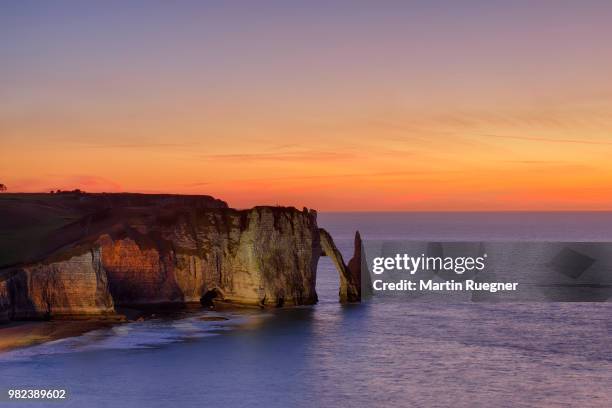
283 156
364 175
142 145
198 184
551 140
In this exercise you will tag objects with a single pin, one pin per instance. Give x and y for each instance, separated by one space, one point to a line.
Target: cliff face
74 287
265 256
172 253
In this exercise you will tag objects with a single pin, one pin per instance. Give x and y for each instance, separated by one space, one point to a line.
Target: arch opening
349 274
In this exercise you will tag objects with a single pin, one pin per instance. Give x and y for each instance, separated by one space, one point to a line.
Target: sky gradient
483 105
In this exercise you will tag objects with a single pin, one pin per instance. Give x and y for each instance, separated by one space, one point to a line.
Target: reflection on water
376 354
332 355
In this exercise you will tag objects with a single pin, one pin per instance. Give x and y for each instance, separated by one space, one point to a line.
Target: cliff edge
152 250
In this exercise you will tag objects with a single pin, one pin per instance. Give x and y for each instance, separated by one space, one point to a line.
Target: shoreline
26 333
23 334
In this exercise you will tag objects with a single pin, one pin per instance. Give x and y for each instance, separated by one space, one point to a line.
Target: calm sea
373 354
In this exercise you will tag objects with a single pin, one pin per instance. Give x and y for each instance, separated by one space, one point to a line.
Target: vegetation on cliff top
31 221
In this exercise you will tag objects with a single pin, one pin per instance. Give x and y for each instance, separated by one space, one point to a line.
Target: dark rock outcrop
136 252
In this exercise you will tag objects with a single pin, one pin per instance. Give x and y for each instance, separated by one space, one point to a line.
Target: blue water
374 354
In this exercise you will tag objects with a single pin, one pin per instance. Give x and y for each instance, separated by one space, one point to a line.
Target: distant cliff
150 250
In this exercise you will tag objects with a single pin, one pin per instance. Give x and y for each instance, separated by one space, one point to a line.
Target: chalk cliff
143 251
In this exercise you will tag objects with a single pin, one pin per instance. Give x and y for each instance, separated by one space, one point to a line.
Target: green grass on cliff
33 225
26 220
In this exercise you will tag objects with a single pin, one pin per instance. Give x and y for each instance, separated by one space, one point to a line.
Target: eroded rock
350 275
174 253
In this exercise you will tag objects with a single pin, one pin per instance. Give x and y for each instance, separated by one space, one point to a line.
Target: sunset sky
422 105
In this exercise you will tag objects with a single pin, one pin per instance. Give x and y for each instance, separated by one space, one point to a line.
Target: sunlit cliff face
405 107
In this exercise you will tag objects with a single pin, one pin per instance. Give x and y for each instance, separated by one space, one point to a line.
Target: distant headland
76 254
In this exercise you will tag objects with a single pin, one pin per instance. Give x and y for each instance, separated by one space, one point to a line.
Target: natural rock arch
350 274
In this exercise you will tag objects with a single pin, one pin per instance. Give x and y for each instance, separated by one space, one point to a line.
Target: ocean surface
375 354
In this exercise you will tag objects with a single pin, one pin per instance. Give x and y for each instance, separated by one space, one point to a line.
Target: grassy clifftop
28 221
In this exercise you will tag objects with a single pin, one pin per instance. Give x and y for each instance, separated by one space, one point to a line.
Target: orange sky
402 109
